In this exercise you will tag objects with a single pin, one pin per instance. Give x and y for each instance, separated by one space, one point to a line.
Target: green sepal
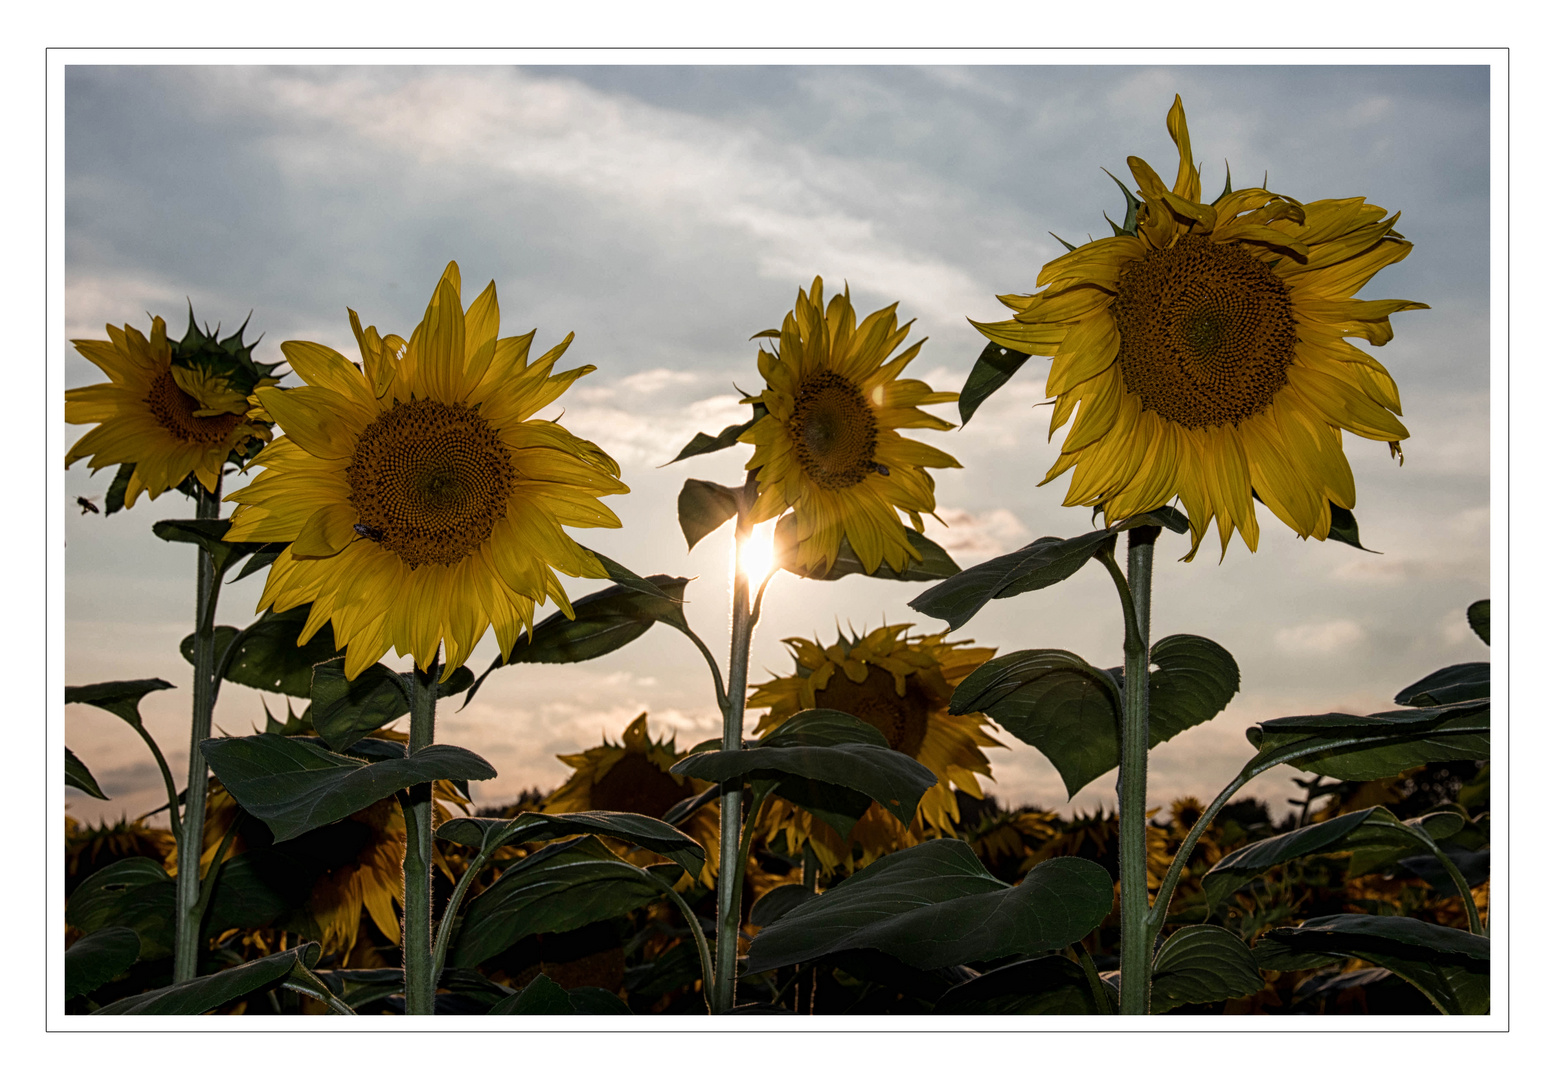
1130 226
994 367
113 502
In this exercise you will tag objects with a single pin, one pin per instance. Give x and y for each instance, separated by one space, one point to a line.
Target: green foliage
1199 964
1039 564
543 997
120 698
995 366
1479 619
207 533
488 834
932 564
1044 986
213 991
707 444
98 958
1372 747
77 775
1342 527
1448 686
134 893
703 506
265 654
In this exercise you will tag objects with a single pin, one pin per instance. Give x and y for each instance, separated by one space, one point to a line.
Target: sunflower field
834 851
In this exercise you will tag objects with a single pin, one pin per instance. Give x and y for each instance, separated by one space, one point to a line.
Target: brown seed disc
1206 332
903 720
431 480
635 785
174 410
833 431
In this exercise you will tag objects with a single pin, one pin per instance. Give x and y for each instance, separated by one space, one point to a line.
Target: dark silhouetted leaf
100 957
207 533
1192 681
994 367
932 564
1199 964
1045 986
544 997
705 444
1039 564
703 506
1479 619
1343 527
77 775
120 698
266 655
135 893
488 834
1448 686
1373 747
346 710
113 502
773 904
213 991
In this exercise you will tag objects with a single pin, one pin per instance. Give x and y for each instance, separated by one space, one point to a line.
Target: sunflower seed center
834 431
903 720
635 785
174 410
1206 332
429 481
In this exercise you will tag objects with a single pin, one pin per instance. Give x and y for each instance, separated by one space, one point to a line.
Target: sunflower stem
1134 755
416 933
186 940
731 793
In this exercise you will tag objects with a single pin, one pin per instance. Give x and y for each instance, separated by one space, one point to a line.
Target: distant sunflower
421 503
828 445
633 777
167 415
901 686
1204 346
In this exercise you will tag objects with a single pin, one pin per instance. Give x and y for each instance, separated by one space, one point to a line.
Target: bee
87 505
375 535
875 466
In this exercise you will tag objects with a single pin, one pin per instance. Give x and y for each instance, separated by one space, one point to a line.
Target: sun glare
756 555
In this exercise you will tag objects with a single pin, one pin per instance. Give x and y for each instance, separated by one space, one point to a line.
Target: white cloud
973 538
1320 638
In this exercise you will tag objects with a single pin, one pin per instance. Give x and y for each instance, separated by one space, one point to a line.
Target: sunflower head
1201 352
828 444
902 687
170 410
421 500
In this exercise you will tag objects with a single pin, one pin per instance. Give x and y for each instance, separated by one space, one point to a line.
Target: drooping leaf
135 893
705 444
213 991
294 785
1373 747
1479 619
561 887
207 533
1039 564
259 560
703 506
98 958
1200 964
934 905
120 698
1448 686
265 654
488 834
825 747
77 775
1343 527
1450 966
1162 517
1044 986
994 367
632 582
932 564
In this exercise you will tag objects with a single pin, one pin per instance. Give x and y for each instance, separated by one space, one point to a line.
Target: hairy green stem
704 956
167 780
416 937
1133 769
1475 926
712 666
1099 996
188 912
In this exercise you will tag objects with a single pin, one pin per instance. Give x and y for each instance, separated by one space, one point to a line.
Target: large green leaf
207 533
120 698
932 564
560 887
1044 986
213 991
705 444
99 957
294 785
1374 834
703 506
1479 619
1068 709
934 905
1039 564
828 748
344 711
135 893
1200 964
1448 686
78 776
488 834
994 367
1374 747
265 654
544 997
1449 966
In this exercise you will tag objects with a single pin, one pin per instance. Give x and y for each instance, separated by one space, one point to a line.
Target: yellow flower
166 419
828 445
420 502
902 687
1205 351
633 777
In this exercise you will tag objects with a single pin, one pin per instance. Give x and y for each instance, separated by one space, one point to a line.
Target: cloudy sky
664 214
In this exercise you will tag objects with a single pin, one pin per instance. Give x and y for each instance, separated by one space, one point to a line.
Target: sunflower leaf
1192 681
1201 964
343 711
213 991
649 586
488 834
1479 619
1373 747
1039 564
934 906
1046 985
295 785
703 506
1450 966
99 957
136 893
706 444
816 752
260 559
1448 685
561 887
266 655
932 564
603 622
994 367
1343 527
1165 517
78 776
207 533
113 502
120 698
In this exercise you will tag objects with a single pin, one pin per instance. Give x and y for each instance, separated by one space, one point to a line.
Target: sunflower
901 686
1204 347
170 409
634 777
827 444
420 503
